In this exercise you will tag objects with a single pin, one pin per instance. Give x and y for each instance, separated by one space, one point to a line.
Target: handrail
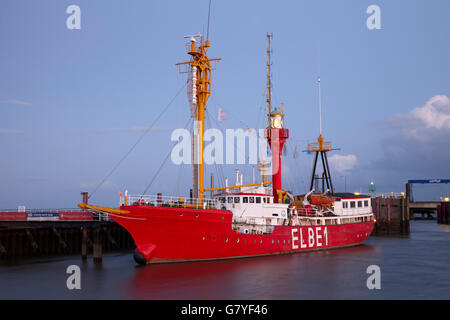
167 201
42 210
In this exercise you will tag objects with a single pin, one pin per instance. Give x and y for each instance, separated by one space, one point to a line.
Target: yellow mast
200 69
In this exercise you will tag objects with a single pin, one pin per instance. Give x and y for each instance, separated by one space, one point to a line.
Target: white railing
395 195
166 201
42 210
351 212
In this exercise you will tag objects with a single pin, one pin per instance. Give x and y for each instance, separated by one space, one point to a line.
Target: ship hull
168 234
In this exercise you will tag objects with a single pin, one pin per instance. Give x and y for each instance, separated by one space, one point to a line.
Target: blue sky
72 102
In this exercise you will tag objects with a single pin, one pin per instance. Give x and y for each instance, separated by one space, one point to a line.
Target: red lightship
242 220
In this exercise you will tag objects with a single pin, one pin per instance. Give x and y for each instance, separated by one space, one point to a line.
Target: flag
295 155
310 149
221 116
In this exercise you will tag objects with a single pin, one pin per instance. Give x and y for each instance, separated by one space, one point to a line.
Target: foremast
199 71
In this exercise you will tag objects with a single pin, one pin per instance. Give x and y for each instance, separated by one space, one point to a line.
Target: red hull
167 234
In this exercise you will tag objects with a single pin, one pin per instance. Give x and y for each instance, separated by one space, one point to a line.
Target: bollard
159 199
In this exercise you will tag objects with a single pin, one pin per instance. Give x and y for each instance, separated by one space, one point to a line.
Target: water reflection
415 267
273 277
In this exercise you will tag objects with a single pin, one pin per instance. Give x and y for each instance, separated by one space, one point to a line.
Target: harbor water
411 267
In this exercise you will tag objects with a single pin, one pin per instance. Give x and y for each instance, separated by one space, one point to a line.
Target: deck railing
167 201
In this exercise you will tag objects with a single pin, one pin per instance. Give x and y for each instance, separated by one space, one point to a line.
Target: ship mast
276 135
199 71
269 83
262 163
321 148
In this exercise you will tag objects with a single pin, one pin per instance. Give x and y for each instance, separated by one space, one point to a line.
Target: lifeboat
321 200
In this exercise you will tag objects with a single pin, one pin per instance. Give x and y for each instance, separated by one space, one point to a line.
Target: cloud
423 123
343 163
418 143
16 102
5 131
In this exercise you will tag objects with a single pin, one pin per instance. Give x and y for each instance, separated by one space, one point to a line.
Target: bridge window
352 204
345 204
252 199
236 199
230 199
258 199
359 204
268 200
366 203
222 200
245 199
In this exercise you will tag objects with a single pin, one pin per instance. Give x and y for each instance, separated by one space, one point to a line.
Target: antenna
269 83
320 108
209 13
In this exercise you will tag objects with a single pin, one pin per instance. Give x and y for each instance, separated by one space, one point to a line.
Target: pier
423 208
35 235
443 213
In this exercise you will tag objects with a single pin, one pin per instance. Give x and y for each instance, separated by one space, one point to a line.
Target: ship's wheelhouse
349 204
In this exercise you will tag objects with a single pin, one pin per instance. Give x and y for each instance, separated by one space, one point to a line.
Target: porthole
237 240
204 238
260 241
181 214
214 239
226 239
196 215
284 241
273 241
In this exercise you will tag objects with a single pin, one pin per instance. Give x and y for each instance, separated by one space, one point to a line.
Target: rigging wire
137 142
162 164
219 169
297 167
243 126
209 14
239 150
180 170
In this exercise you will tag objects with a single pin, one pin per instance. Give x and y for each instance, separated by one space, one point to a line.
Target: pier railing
51 215
167 201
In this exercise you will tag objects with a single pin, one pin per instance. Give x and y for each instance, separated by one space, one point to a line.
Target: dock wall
392 216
